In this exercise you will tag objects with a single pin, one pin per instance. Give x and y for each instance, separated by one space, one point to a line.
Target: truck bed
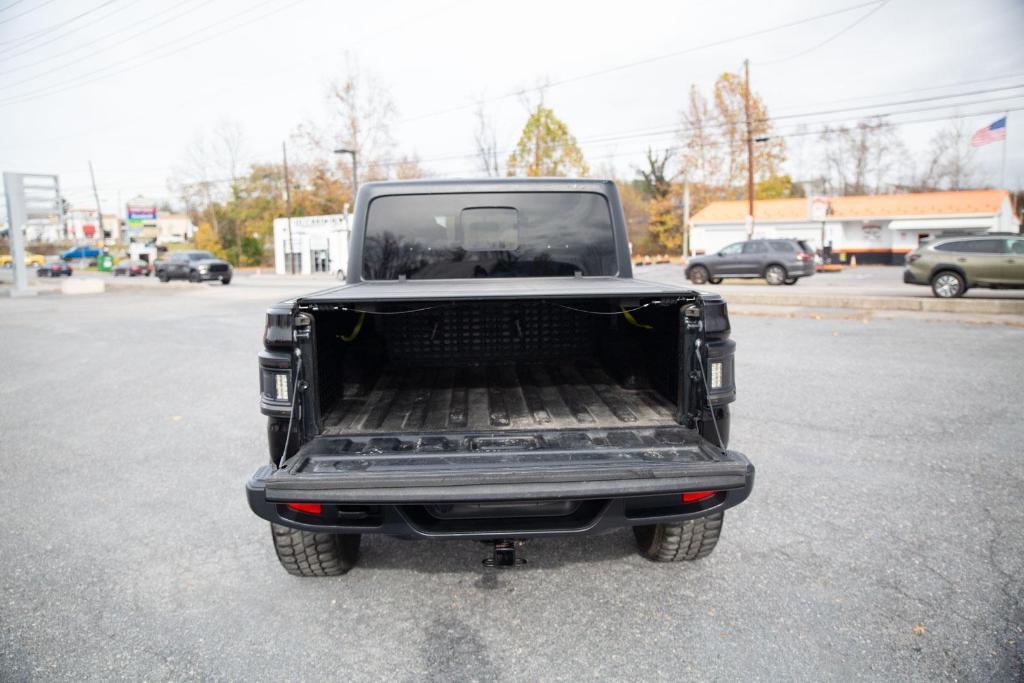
495 398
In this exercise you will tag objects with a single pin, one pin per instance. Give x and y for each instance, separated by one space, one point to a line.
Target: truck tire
308 553
683 541
194 276
162 276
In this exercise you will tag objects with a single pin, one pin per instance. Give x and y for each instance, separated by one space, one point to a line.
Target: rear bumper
572 483
911 279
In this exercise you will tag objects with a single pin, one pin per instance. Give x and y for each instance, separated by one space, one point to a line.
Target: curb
881 303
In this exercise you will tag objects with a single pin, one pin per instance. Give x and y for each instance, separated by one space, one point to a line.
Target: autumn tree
360 115
713 157
546 148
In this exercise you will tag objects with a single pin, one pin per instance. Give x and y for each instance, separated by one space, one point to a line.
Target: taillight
803 256
308 508
694 496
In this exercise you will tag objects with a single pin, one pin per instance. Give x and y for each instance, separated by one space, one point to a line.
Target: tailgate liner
506 465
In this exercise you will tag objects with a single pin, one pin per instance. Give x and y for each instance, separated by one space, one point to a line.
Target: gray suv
779 261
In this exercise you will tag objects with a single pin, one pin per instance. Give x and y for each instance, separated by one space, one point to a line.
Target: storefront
312 244
880 229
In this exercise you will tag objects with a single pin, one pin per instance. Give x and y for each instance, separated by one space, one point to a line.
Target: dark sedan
54 269
194 266
132 268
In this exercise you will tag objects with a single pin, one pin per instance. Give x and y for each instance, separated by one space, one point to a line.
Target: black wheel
194 276
162 276
790 281
307 553
715 280
340 274
699 275
684 541
948 284
775 274
225 280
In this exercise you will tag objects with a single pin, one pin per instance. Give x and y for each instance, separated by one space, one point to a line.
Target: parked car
54 269
779 261
952 265
474 379
194 266
31 260
132 268
81 252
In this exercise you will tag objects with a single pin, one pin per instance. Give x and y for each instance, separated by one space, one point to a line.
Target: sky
127 84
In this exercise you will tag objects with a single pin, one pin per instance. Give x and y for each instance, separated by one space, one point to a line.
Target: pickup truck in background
492 371
194 266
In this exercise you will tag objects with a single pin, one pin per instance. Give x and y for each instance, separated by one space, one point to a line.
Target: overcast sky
130 82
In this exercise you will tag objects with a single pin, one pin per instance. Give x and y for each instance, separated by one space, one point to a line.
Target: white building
318 244
173 228
875 228
81 226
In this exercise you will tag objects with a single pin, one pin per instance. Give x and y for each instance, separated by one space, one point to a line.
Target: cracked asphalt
884 539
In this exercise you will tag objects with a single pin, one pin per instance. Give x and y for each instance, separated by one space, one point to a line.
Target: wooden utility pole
290 264
750 150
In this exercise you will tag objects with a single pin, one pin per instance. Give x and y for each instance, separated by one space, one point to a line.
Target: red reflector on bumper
308 508
694 496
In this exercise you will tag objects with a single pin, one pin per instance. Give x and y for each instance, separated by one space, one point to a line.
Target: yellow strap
355 330
632 321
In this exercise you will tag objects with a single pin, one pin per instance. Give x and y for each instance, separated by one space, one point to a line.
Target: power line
35 34
642 62
830 38
77 81
28 11
95 52
9 6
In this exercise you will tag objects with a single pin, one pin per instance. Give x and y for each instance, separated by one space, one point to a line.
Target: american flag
992 133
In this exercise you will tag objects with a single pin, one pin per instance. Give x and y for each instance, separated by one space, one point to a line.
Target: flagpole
1006 141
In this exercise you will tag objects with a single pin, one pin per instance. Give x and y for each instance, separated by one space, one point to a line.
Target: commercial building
874 228
316 244
81 226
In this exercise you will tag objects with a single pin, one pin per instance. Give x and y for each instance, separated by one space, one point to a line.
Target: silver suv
952 265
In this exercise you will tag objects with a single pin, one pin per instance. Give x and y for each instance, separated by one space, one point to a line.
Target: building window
320 260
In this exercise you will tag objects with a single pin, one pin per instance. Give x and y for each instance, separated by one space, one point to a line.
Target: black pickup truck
492 371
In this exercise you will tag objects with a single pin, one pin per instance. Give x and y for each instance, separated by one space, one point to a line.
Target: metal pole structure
288 208
355 175
99 212
1006 142
750 150
14 194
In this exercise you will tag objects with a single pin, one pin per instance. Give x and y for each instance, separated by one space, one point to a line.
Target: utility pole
686 219
99 211
288 208
750 150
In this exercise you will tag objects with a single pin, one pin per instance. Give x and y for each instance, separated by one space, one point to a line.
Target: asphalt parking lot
884 539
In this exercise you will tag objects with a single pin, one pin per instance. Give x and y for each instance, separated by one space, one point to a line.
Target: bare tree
486 139
950 163
863 159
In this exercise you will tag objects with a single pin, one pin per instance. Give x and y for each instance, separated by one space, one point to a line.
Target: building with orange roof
874 228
